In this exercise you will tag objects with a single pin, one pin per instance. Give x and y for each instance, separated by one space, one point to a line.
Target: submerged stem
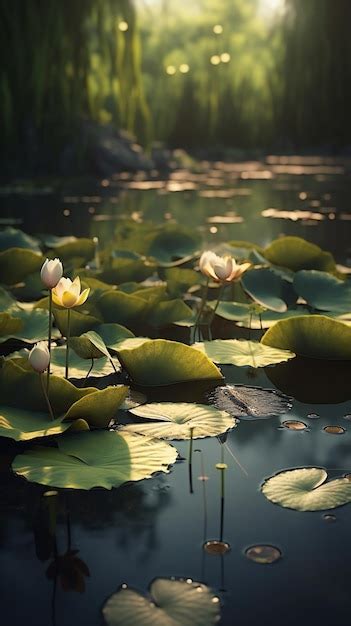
43 385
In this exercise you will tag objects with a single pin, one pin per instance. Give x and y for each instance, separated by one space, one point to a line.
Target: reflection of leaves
249 403
172 603
70 570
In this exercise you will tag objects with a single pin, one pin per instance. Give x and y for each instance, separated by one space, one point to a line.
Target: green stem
89 372
201 309
49 338
221 290
46 396
67 339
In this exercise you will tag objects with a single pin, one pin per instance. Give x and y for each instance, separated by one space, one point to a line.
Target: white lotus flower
67 293
51 273
222 269
39 357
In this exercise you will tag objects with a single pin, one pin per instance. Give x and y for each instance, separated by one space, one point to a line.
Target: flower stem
67 339
221 289
49 338
89 372
43 386
201 309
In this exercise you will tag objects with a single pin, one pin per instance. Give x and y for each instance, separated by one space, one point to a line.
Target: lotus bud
51 273
39 357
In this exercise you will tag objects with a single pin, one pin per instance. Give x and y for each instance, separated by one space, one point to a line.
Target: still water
157 528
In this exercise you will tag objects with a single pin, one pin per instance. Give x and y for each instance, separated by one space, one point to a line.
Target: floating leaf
112 334
78 366
17 263
323 291
22 425
121 308
9 326
306 490
33 325
298 254
99 407
98 459
250 403
89 346
241 352
172 243
176 420
314 336
161 362
171 603
82 248
169 312
266 288
126 270
80 322
14 238
179 280
269 318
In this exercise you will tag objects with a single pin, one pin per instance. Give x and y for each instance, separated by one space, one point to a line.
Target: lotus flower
223 269
51 273
67 293
39 357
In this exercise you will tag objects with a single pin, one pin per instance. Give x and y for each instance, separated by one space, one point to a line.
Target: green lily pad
17 263
170 603
266 288
233 311
161 362
127 270
169 312
78 366
241 352
14 377
112 334
80 322
89 346
99 459
172 243
9 325
179 280
14 238
6 300
175 420
323 291
121 308
314 336
297 254
269 318
99 406
22 425
78 248
306 490
151 294
33 325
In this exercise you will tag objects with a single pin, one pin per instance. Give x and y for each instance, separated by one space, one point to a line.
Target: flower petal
69 299
83 297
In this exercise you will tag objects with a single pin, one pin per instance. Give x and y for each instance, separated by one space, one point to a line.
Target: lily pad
82 248
297 254
78 366
170 603
127 270
269 318
112 334
323 291
9 325
241 352
174 420
99 459
99 406
23 425
80 322
89 346
172 243
33 325
266 288
14 238
179 280
17 263
161 362
306 490
121 308
169 312
314 336
250 403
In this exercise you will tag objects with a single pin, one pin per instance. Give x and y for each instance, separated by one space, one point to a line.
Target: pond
160 527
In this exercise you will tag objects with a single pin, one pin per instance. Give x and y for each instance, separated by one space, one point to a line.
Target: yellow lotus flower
67 293
223 269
